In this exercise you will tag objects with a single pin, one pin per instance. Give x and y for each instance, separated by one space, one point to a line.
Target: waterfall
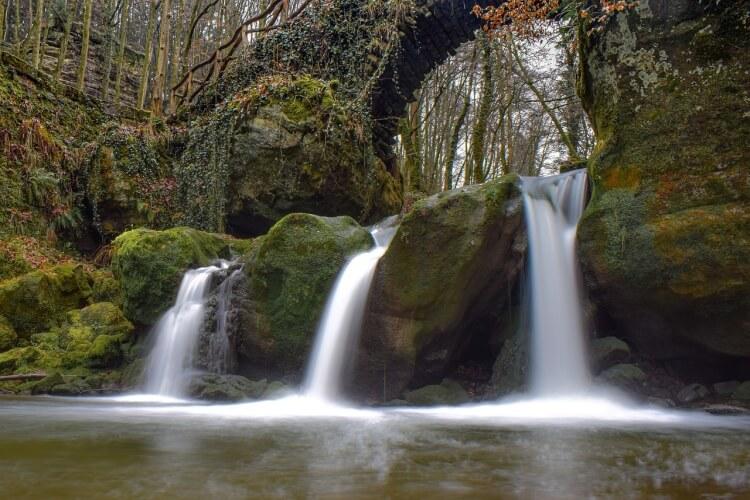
220 358
553 207
177 333
342 320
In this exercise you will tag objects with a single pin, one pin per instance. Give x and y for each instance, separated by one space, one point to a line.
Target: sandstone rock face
665 243
454 259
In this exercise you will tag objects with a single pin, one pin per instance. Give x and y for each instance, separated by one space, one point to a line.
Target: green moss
105 288
666 232
150 264
38 301
291 271
437 243
8 336
284 144
94 337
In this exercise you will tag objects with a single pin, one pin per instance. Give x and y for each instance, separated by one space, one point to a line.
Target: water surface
296 448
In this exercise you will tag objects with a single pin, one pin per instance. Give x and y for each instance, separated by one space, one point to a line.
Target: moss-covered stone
282 145
94 337
38 300
449 392
150 264
290 272
454 258
130 182
665 243
8 336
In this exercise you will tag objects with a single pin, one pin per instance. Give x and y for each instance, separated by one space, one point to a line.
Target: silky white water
176 335
553 208
342 319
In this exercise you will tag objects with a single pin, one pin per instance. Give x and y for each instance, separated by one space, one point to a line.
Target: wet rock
742 392
625 376
150 265
660 402
718 409
725 388
663 243
692 392
510 371
608 351
276 390
75 387
45 385
449 392
215 387
289 275
454 260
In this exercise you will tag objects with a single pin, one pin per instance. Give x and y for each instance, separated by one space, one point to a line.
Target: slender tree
120 64
109 13
524 74
161 60
71 7
148 50
477 172
36 34
85 44
3 8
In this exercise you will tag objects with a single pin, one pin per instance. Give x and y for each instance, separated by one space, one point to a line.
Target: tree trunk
124 17
3 8
17 24
157 98
176 63
572 153
410 140
479 131
70 11
147 55
108 15
87 8
36 37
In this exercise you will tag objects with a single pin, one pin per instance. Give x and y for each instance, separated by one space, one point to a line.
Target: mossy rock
283 145
665 242
290 272
449 392
37 301
150 264
8 336
91 338
454 259
215 387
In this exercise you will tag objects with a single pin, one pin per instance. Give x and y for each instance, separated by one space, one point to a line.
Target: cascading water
220 358
342 319
177 333
553 207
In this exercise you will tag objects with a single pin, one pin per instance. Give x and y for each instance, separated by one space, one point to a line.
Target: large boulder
282 145
665 242
289 275
454 260
94 337
37 301
150 264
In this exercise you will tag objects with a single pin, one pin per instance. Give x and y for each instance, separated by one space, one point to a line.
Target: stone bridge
333 40
439 28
